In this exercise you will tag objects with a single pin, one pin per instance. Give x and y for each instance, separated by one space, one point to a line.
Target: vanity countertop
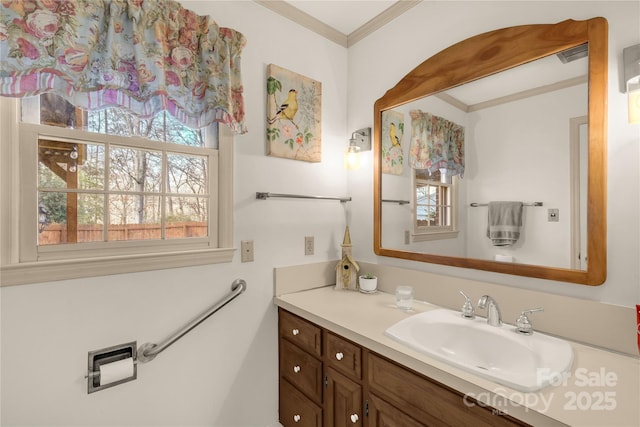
602 388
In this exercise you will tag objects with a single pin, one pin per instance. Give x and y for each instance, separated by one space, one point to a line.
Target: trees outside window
91 192
105 192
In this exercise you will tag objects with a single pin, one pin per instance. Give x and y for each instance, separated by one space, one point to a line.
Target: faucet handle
467 308
523 325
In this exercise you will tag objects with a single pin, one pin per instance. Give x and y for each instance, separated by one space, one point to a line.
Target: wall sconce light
360 141
631 59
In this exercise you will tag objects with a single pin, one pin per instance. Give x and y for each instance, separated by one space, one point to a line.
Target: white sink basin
525 363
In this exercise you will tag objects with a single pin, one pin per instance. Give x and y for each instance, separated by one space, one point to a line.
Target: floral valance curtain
436 143
142 55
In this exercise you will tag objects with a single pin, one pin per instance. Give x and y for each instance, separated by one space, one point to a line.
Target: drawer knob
339 355
295 332
296 418
296 369
354 418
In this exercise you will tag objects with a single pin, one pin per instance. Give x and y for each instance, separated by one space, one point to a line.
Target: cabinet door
296 410
343 401
381 414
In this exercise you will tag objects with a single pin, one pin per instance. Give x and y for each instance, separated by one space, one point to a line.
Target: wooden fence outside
55 234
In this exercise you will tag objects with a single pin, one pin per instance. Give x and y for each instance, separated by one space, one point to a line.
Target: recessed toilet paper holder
108 355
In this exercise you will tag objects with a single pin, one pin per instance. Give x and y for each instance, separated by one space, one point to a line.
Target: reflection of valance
142 55
436 143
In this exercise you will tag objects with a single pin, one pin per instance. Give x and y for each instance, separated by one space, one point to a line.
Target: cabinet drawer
305 335
343 355
383 414
428 401
296 409
301 369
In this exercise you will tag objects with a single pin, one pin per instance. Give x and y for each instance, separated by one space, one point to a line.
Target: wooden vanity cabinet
329 381
317 388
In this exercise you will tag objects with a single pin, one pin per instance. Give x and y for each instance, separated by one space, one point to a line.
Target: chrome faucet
467 311
523 324
494 318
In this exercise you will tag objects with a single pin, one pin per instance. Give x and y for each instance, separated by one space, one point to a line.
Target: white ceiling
344 16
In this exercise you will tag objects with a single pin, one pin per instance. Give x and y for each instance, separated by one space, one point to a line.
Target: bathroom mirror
502 60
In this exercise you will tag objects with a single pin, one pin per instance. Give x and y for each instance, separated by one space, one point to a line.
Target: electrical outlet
554 215
308 245
246 250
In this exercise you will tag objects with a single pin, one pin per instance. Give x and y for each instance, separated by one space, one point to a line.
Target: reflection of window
434 206
108 184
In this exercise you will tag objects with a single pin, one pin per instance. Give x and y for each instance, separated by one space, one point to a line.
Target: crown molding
388 15
284 9
288 11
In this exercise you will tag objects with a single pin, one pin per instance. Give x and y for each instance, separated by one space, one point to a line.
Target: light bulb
352 158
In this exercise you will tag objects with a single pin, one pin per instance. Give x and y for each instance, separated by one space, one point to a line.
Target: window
435 206
107 186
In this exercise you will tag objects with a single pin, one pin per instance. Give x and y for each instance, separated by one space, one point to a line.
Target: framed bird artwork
294 110
392 148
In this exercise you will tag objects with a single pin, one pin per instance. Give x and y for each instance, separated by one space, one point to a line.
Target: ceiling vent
574 53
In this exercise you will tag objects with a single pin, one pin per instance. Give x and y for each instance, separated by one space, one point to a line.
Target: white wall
379 61
224 373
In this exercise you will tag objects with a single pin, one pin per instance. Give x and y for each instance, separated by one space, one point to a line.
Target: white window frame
22 261
425 234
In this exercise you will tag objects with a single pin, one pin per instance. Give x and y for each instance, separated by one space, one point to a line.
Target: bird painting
293 116
288 109
393 137
391 150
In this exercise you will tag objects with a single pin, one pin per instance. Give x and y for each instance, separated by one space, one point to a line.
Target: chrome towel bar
475 205
148 351
264 196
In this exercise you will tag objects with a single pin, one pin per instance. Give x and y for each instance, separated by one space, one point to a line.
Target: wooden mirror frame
490 53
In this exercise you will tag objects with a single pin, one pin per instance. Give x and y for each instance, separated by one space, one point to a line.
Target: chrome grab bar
148 351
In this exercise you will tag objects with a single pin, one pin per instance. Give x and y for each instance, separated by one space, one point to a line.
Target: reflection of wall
520 151
514 151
